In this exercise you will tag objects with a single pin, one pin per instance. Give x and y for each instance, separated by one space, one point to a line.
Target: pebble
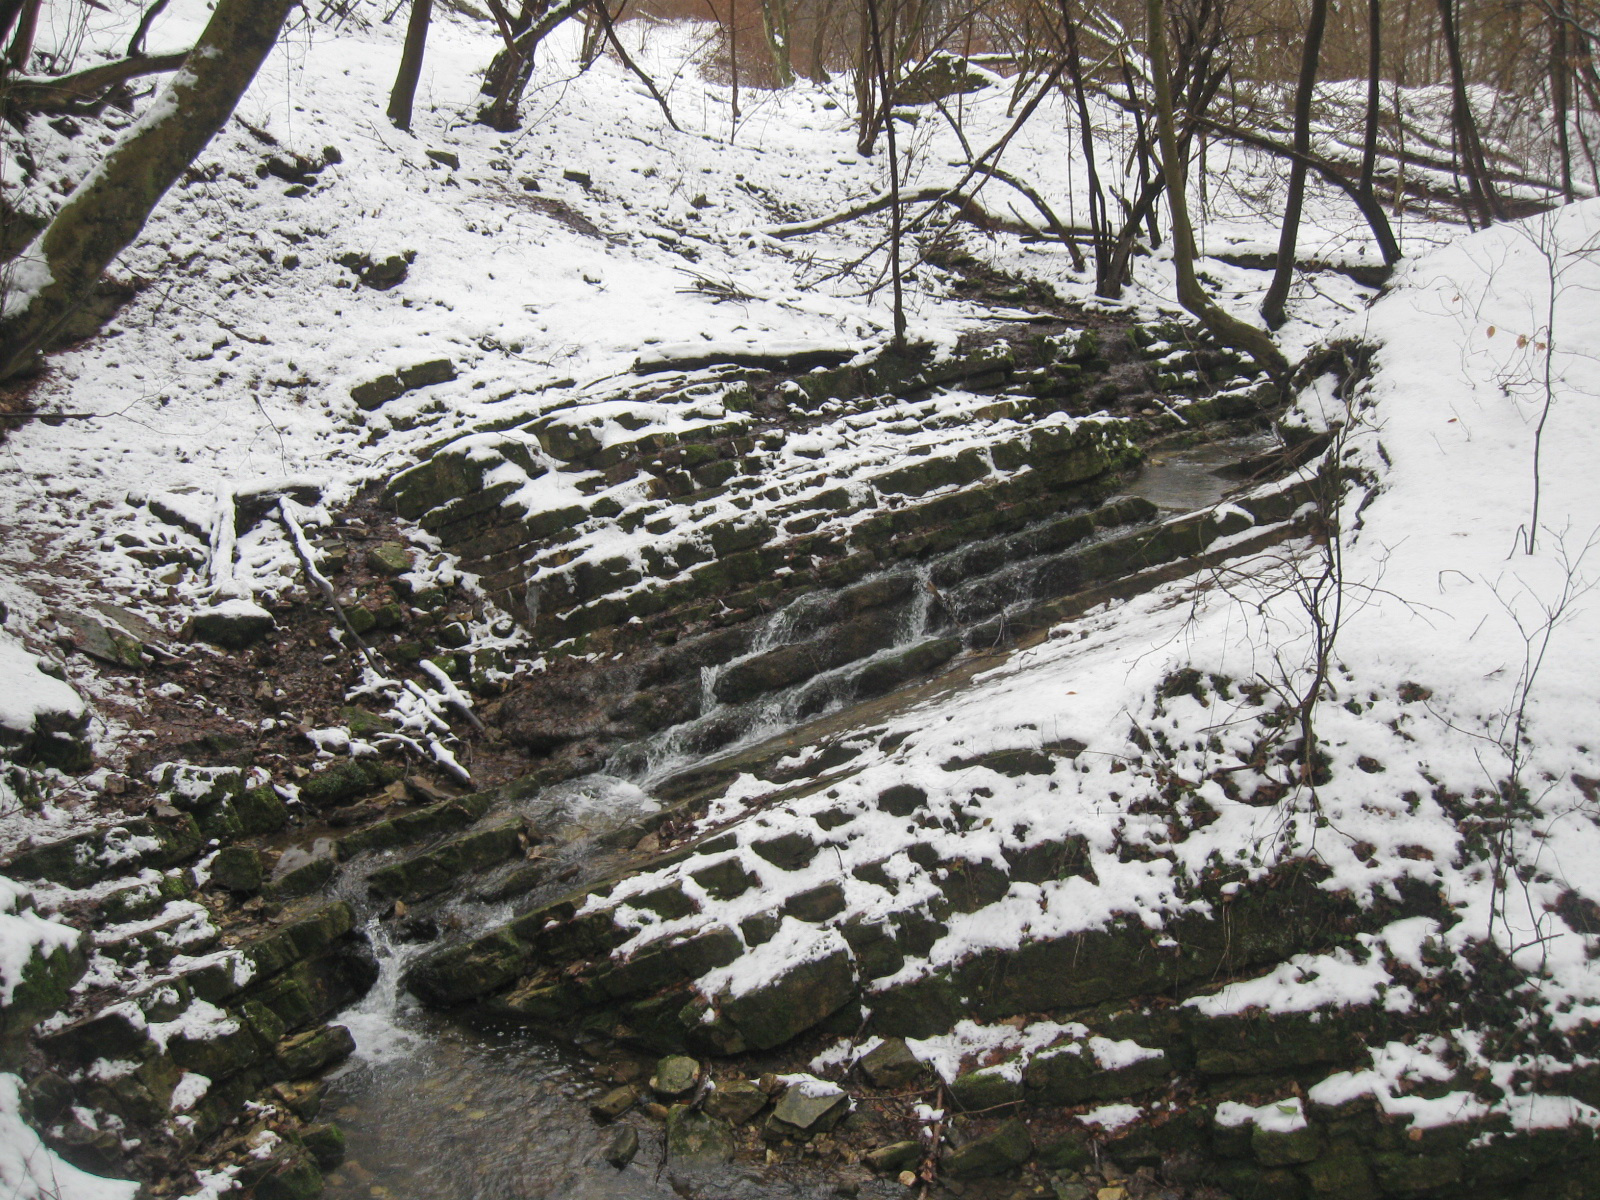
623 1147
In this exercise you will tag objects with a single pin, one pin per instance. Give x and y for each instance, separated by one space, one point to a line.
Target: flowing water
434 1110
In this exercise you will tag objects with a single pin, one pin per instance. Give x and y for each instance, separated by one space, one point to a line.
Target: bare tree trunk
733 64
1481 187
1561 97
1105 283
1377 219
775 21
1369 135
9 11
27 26
513 66
867 107
1228 330
136 42
1289 233
51 277
405 80
886 99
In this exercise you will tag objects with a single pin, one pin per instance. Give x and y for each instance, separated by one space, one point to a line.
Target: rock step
460 495
88 858
249 1018
434 871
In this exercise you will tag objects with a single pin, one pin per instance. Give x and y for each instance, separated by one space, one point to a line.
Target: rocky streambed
721 928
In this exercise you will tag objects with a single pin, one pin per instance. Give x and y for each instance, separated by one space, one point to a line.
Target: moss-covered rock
735 1101
346 779
1003 1149
292 1174
695 1139
988 1087
40 981
433 872
237 869
313 1051
260 810
89 857
803 996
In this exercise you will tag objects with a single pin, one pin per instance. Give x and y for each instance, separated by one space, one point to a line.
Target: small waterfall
377 1021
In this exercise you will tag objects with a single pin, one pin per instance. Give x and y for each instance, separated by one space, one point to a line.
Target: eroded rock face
649 564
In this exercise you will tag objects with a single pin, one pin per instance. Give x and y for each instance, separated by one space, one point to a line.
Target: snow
30 1170
1467 651
1282 1116
29 693
1111 1117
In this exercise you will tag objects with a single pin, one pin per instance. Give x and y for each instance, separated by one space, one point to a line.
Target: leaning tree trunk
512 68
405 81
1228 330
54 274
1484 197
27 19
1289 233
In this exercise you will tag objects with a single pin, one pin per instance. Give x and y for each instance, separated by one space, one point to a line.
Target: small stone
908 1179
1069 1187
902 799
237 869
655 1110
390 558
614 1103
233 624
675 1075
811 1106
896 1156
304 1100
735 1101
1006 1147
725 880
987 1088
788 851
623 1147
325 1143
892 1065
445 158
694 1139
816 904
760 928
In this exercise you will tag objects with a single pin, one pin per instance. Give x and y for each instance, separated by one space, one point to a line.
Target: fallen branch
308 564
627 61
1065 235
63 93
452 694
865 209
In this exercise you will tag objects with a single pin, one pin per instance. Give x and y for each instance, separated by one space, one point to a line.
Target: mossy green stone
1004 1149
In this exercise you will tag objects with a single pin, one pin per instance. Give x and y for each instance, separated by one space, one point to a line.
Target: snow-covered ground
1465 661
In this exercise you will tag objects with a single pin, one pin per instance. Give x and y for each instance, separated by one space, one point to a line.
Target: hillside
485 596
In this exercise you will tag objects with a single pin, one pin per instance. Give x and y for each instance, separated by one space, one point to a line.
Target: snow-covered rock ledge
1292 863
